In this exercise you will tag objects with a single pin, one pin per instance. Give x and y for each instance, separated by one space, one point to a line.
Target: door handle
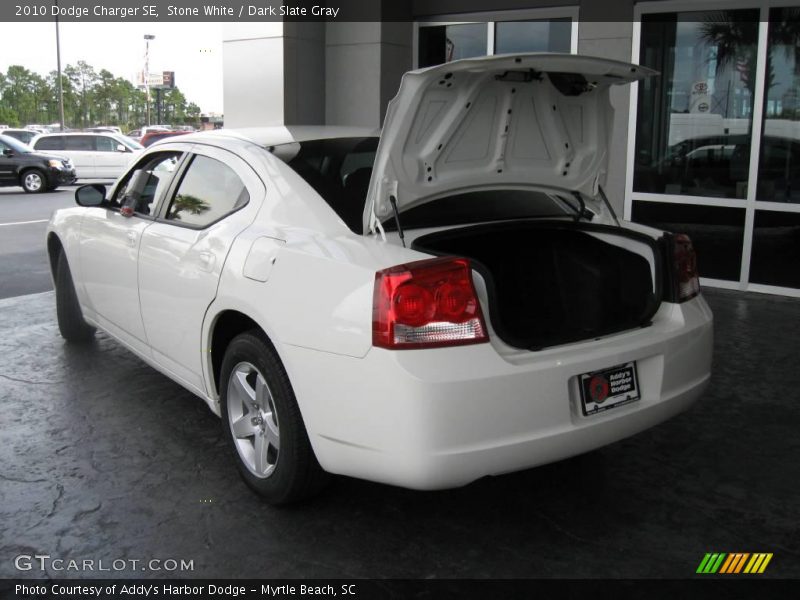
206 261
131 238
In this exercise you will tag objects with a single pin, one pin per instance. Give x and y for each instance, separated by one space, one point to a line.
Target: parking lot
23 219
102 457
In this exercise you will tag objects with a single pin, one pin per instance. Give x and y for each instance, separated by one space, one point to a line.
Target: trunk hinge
388 190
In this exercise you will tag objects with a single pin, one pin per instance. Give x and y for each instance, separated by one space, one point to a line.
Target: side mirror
90 195
121 148
8 152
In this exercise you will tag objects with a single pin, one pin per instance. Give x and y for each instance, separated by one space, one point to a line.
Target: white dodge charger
452 299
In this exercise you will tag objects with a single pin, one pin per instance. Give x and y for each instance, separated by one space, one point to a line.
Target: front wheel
33 182
263 425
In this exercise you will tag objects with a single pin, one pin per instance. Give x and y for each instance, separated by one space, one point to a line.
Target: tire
70 319
263 425
33 181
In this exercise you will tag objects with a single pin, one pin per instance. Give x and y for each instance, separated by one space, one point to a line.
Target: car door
110 161
109 247
80 148
8 165
215 198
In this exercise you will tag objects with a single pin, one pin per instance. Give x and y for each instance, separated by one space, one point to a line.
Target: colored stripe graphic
734 563
726 565
765 563
740 564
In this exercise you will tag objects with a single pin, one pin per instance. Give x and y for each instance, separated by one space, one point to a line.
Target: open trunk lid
538 119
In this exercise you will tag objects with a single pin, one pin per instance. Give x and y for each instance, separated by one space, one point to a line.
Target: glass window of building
779 158
533 36
445 43
438 44
694 122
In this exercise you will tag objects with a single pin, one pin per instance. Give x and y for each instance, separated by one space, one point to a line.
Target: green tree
83 78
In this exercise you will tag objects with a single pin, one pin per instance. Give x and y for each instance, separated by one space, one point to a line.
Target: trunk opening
553 283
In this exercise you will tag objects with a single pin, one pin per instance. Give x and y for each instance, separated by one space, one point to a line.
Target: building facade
711 147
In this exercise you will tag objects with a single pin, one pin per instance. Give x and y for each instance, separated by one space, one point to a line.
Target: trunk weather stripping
393 202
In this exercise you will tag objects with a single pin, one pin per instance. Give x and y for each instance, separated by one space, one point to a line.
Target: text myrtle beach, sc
206 10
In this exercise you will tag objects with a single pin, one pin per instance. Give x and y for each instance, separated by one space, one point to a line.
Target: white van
95 155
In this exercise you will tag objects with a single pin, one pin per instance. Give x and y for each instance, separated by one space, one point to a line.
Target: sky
192 50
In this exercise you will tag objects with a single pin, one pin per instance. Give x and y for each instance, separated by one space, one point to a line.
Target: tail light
685 279
426 304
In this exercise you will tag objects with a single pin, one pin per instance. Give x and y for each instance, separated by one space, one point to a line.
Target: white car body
96 155
420 418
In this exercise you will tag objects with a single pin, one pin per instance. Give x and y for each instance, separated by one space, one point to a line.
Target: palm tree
189 204
735 41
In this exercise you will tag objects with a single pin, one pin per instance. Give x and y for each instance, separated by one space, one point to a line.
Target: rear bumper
440 418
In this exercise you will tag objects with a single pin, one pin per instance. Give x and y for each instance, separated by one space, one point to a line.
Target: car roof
112 133
277 135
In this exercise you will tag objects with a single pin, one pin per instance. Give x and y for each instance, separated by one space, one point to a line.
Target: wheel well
228 325
54 249
26 169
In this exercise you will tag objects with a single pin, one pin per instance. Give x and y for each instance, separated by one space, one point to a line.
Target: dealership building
711 147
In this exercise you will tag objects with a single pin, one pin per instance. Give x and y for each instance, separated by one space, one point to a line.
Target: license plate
609 388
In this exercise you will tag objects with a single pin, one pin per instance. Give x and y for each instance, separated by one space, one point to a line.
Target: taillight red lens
684 268
426 304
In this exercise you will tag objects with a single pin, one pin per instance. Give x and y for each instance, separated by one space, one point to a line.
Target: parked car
452 300
155 136
34 172
104 129
95 155
23 135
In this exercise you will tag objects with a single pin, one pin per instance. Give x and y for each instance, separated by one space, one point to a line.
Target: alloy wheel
253 420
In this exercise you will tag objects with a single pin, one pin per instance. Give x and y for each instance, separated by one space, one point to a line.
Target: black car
23 135
34 171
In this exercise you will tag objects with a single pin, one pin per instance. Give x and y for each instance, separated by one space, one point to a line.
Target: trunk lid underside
511 120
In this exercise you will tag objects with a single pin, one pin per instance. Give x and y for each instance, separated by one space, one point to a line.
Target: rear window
483 206
338 169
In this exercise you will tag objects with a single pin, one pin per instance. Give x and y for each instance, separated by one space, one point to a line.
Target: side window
209 191
4 147
55 142
80 142
105 144
143 186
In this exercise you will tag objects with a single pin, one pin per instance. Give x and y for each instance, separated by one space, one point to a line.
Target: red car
154 136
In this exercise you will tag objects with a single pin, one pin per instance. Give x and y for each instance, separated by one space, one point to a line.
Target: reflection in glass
775 258
779 159
533 36
445 43
717 233
694 122
209 191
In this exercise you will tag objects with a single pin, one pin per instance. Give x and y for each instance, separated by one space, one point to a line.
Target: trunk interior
554 283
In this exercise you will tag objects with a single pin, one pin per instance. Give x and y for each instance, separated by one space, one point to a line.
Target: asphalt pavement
24 267
23 221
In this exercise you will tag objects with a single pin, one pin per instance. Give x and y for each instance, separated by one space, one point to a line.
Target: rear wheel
70 319
33 181
262 423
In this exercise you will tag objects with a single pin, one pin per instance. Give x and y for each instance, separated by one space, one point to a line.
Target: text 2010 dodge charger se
451 300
